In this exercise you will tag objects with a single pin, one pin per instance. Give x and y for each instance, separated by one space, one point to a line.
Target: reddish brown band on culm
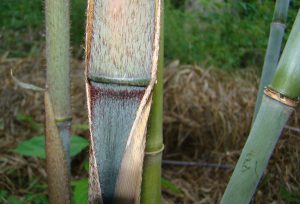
96 92
113 110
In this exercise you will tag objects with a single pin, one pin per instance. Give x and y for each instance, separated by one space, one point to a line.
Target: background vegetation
222 34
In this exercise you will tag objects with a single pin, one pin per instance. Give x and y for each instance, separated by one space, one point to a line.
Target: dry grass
207 117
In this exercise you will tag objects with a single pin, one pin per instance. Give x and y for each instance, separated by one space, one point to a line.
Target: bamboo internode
57 101
122 46
151 183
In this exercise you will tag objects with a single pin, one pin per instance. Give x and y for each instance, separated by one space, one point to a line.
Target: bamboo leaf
25 85
86 165
35 147
28 119
77 145
169 186
25 118
80 192
3 194
14 200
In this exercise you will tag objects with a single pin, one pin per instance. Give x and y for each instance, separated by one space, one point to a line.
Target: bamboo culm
57 101
122 44
271 118
273 49
151 182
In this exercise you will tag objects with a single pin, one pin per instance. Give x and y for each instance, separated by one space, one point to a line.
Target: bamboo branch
277 105
122 45
151 182
57 101
273 50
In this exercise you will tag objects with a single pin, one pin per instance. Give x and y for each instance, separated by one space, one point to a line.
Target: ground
207 118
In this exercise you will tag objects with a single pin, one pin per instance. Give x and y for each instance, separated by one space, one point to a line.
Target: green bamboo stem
121 58
151 183
268 125
273 50
57 100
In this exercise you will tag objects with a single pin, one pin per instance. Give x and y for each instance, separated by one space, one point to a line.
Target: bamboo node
278 23
275 95
155 152
65 119
142 82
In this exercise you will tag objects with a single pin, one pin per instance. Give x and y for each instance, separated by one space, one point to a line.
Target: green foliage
83 126
78 8
80 193
223 34
215 36
14 200
19 16
171 187
36 198
86 165
288 196
77 144
29 120
5 198
20 23
35 147
22 26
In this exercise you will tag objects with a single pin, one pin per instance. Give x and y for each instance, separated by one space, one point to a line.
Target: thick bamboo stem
257 151
121 61
57 100
273 49
151 183
277 105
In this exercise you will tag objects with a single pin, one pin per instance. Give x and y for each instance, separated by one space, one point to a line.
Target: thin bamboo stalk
151 183
57 101
277 105
122 46
273 50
